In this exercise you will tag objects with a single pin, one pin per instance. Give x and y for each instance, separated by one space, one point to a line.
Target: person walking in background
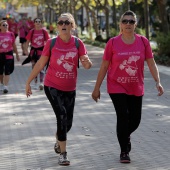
75 31
61 77
13 26
51 29
37 37
30 23
123 61
23 28
7 46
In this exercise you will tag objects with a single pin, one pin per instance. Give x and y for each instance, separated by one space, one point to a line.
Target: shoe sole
124 161
64 164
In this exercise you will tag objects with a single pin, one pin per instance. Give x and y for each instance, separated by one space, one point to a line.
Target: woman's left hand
86 62
160 89
18 58
28 91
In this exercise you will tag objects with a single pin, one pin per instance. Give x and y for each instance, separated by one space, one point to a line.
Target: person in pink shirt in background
13 26
31 23
37 37
7 46
61 78
23 28
123 61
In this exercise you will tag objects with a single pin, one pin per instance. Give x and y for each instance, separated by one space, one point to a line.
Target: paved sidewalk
27 126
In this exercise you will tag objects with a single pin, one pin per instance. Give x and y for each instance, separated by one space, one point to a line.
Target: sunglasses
4 25
37 21
126 21
63 22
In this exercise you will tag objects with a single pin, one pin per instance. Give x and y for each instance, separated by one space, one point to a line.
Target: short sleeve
82 49
108 52
46 50
148 49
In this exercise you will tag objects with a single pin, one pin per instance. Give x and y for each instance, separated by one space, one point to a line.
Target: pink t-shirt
13 27
62 70
126 70
23 29
6 41
37 37
31 24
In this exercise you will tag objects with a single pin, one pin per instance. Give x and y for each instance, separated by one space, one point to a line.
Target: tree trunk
146 13
107 18
114 15
163 15
127 5
94 17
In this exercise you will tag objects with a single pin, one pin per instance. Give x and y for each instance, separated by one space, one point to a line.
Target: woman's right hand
96 95
28 91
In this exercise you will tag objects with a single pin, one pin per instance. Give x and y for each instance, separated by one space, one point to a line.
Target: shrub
163 44
113 32
140 31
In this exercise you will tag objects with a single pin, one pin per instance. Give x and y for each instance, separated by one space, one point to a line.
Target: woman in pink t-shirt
7 46
61 77
23 29
13 26
37 37
123 61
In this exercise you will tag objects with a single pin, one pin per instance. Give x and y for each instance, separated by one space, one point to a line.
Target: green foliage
163 43
140 31
113 32
162 53
162 59
94 43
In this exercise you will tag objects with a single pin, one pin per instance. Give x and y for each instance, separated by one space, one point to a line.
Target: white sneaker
63 159
1 87
5 90
41 86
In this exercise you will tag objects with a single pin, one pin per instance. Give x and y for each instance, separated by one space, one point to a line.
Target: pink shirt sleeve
108 52
148 49
82 49
46 50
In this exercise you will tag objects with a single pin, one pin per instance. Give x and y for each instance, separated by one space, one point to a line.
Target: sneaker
5 90
57 148
124 157
41 87
1 87
63 159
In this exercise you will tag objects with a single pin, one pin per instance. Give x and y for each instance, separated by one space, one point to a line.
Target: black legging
62 103
128 110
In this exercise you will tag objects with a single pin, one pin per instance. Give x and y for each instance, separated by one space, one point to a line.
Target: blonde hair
2 21
70 17
129 12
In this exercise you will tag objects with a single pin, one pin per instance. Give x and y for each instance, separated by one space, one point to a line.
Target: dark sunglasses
37 21
126 21
5 25
63 22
